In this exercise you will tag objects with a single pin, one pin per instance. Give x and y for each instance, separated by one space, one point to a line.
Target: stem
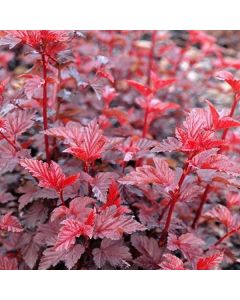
58 104
227 235
145 125
204 196
200 208
86 167
44 104
175 197
164 211
233 108
9 141
61 198
151 57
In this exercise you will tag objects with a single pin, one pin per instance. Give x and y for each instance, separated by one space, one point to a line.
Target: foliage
118 150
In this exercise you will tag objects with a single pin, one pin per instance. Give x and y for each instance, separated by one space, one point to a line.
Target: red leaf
91 218
142 89
190 245
210 262
160 83
109 94
233 200
224 75
116 113
3 84
222 214
68 233
111 225
221 122
113 197
33 83
196 134
161 174
105 74
92 144
171 262
228 77
18 122
210 159
10 223
72 133
49 176
78 209
157 107
70 180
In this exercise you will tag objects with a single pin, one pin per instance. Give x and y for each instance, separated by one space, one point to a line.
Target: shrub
119 150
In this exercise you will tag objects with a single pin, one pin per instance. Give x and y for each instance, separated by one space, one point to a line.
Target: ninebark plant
116 152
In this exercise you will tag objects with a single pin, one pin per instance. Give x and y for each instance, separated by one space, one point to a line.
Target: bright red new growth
119 150
49 176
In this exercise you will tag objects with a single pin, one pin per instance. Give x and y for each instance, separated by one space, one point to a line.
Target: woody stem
151 57
44 104
227 235
145 125
61 197
175 197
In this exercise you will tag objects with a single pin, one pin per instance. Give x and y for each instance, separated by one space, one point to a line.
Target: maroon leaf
168 145
149 250
73 255
112 252
8 263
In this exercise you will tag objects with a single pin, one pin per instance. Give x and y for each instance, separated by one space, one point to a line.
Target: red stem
61 198
164 211
233 108
227 235
145 125
58 104
175 197
151 57
44 104
204 196
200 208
